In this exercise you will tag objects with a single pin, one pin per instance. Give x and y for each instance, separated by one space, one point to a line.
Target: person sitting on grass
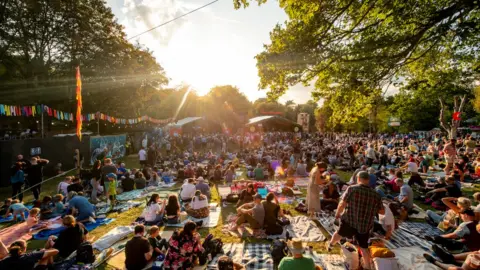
157 242
47 208
465 237
154 212
19 258
476 198
138 250
140 181
69 239
272 211
330 198
297 261
32 218
188 190
198 208
17 208
5 206
81 208
448 219
184 247
203 187
404 201
386 222
75 186
172 210
467 260
59 207
246 195
253 213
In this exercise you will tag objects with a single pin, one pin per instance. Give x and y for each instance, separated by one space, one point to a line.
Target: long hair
17 248
153 199
173 201
188 229
97 164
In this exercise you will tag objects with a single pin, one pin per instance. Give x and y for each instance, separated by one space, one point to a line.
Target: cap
111 175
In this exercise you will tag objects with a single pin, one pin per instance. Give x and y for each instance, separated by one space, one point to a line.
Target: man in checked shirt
356 211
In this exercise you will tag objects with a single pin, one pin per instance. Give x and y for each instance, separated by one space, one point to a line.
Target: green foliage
351 49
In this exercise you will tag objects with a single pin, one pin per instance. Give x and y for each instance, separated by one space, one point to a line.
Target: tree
350 49
451 128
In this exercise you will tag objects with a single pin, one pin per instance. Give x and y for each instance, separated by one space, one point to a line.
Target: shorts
85 216
347 231
18 212
107 186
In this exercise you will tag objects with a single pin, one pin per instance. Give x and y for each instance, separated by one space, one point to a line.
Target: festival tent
192 125
272 123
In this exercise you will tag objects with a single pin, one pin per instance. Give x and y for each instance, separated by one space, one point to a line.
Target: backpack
212 246
85 253
278 250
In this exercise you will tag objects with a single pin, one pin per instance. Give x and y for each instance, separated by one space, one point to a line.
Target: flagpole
98 125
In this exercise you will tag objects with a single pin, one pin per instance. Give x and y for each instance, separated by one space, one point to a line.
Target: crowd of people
376 198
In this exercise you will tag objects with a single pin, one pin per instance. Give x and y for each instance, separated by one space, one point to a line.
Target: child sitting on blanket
46 210
32 219
59 207
5 206
17 208
157 242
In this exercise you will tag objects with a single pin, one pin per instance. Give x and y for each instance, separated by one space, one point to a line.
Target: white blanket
421 213
411 258
301 227
209 222
112 237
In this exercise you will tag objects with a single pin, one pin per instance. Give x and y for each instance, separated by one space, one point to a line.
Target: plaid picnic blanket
401 238
419 229
234 251
327 221
257 256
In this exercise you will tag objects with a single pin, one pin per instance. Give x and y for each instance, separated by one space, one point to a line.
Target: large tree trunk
452 127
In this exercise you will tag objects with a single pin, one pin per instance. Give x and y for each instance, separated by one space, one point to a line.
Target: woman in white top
188 190
62 186
198 208
154 212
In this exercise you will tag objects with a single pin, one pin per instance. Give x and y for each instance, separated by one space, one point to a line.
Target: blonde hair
476 196
34 211
464 203
154 229
15 201
58 197
69 221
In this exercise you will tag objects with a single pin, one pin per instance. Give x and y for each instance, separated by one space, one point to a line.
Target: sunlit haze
213 46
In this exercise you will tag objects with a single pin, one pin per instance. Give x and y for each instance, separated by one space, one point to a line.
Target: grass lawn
126 218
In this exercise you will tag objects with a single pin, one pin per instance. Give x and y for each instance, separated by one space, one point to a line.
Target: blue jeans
435 217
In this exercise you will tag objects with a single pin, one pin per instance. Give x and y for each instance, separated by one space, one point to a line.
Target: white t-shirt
151 212
142 154
412 167
199 204
387 219
188 191
477 209
62 188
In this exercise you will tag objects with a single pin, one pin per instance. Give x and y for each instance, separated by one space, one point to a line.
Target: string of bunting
37 110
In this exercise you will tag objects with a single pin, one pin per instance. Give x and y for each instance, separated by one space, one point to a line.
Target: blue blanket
43 235
10 218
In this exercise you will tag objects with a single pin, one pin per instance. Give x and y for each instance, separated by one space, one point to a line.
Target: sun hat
296 246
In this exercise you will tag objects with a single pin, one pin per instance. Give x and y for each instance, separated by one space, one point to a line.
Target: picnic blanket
411 258
327 221
234 251
4 219
329 261
14 233
419 228
303 228
139 193
209 222
223 191
112 237
90 226
401 238
257 256
302 181
421 213
103 208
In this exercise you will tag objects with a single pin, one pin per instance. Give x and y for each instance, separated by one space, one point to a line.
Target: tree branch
442 122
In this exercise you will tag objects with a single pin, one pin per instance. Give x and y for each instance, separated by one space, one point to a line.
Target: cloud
142 15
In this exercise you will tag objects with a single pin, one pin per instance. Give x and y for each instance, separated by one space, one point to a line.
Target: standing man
356 211
383 151
35 175
142 156
450 153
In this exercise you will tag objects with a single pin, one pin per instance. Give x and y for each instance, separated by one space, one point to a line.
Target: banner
37 110
102 147
303 119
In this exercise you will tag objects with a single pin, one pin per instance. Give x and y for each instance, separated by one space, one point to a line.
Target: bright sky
213 46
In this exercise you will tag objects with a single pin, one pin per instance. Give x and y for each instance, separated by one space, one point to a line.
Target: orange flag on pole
79 104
